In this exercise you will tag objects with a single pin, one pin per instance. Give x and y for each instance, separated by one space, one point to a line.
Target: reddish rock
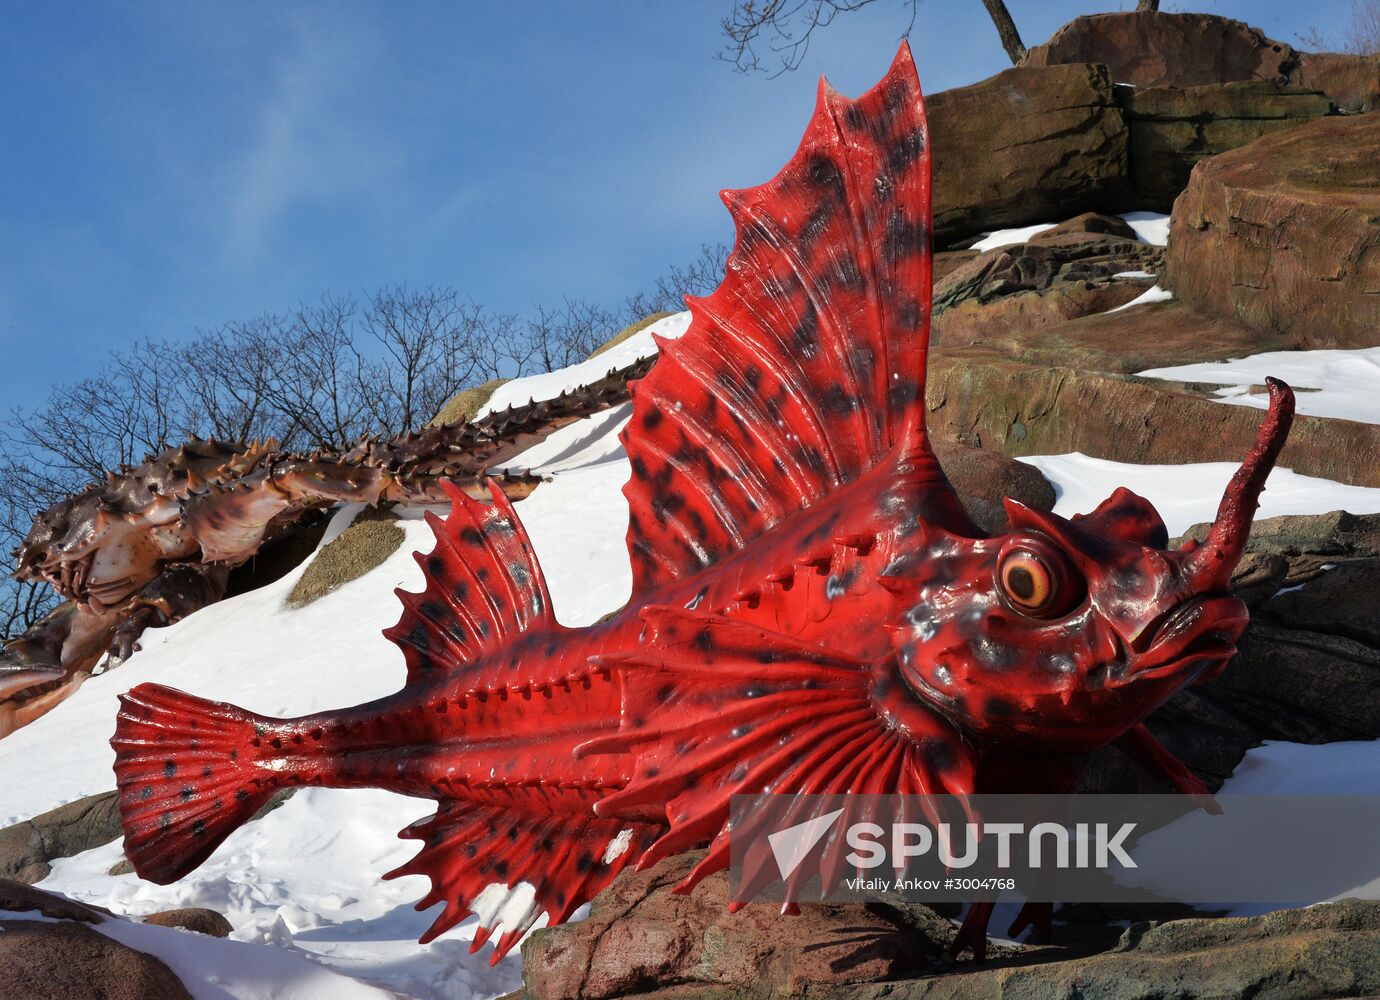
1284 234
1021 288
19 897
640 938
1089 222
1156 49
193 918
1173 129
69 961
1062 388
984 478
1352 81
1025 146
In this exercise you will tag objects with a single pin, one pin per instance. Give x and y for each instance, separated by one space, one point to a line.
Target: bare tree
1361 37
784 27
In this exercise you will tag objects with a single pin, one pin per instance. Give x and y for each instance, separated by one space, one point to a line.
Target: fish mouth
1200 630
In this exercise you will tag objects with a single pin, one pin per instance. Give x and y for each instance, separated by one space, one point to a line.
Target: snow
552 384
1150 227
1153 294
216 969
301 886
1006 237
1342 384
1133 274
1188 494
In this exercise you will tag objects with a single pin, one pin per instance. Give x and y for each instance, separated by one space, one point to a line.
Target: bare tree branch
1006 30
784 27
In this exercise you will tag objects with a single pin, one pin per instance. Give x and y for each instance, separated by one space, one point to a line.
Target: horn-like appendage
1209 568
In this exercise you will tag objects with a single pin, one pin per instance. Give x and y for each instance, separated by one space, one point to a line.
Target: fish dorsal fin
806 366
483 586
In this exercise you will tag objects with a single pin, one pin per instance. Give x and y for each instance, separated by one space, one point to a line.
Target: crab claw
18 674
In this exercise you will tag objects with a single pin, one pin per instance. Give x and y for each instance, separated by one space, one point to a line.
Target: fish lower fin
186 777
509 866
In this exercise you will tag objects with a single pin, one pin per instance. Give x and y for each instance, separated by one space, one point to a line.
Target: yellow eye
1038 584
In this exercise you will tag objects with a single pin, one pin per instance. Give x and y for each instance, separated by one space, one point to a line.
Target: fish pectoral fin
714 707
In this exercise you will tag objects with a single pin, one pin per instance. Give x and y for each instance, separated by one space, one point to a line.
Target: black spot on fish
584 863
146 792
169 768
825 174
903 238
206 771
419 638
906 151
165 821
999 708
837 400
939 755
652 419
241 795
471 536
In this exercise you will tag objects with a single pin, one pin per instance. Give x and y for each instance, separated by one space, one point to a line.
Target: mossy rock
628 331
364 545
466 403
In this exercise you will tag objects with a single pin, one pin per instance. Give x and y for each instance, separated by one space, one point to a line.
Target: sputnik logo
793 845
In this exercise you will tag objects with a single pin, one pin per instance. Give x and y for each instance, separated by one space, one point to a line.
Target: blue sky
168 166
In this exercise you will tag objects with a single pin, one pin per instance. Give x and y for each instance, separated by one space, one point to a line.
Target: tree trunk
1150 5
1006 28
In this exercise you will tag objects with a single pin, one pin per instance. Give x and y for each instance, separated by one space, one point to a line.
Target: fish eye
1037 580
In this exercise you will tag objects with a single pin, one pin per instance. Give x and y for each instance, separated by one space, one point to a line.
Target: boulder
1089 222
1284 234
984 478
1026 145
66 959
1023 407
69 961
1026 286
192 918
1172 129
27 847
641 937
19 897
1158 49
1350 80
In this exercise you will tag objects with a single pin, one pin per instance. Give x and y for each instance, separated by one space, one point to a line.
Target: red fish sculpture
812 610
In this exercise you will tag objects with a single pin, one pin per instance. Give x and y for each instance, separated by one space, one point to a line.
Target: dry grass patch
466 403
628 331
370 539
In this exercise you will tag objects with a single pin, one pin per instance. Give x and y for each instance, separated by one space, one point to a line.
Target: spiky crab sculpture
155 542
812 610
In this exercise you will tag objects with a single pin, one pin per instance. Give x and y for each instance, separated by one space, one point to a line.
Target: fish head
1063 633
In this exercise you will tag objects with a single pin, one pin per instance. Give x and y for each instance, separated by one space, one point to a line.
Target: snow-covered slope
304 880
1328 383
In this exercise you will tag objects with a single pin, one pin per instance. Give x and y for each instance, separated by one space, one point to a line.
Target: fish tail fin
188 776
